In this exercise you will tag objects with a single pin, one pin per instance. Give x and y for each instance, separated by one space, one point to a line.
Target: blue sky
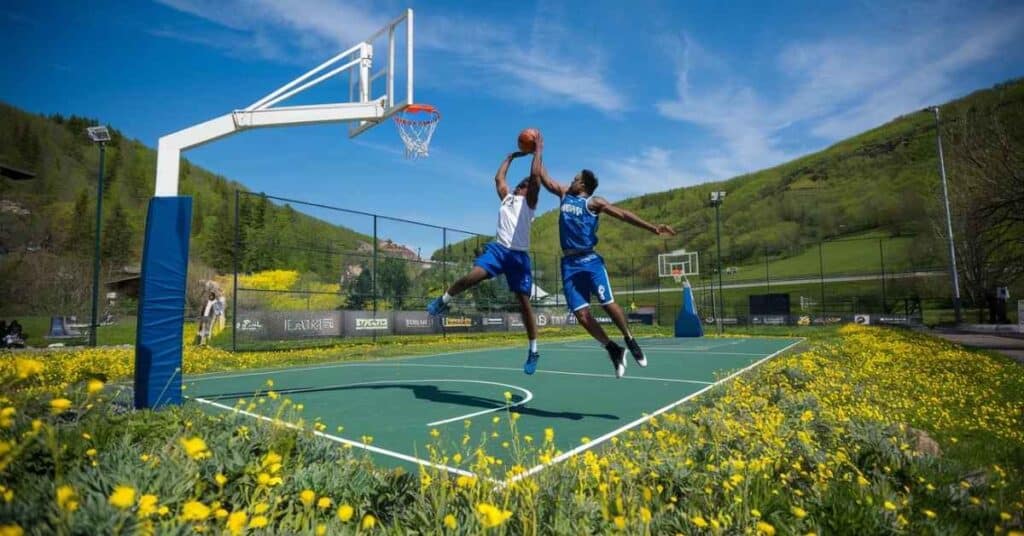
651 95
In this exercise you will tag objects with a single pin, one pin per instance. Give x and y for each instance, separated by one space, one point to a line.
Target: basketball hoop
416 124
677 274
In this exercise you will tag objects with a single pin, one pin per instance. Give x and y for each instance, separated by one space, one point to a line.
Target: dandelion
368 522
147 505
434 432
861 481
11 530
258 522
236 522
67 499
450 522
345 513
324 503
7 417
195 511
928 513
123 497
220 479
26 368
457 458
800 513
307 497
491 516
94 386
645 515
261 508
464 481
59 405
321 529
699 521
888 505
549 435
765 528
195 447
620 522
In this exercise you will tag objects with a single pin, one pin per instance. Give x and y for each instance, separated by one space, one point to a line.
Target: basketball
528 140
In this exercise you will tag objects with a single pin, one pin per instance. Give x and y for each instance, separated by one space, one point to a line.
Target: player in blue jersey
583 270
508 254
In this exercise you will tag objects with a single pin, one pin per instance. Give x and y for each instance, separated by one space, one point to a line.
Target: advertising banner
368 324
415 323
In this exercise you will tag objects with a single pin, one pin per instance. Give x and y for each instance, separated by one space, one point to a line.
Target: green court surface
398 402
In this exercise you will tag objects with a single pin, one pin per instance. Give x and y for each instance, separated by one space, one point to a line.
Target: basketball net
416 124
677 274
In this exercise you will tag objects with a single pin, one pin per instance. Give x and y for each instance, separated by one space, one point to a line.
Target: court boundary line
667 349
595 442
342 440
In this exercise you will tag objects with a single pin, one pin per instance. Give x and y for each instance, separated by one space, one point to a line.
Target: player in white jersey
508 254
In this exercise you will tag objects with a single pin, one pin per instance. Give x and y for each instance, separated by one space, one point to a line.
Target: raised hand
664 230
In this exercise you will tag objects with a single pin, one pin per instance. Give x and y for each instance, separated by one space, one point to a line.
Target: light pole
99 135
949 219
716 201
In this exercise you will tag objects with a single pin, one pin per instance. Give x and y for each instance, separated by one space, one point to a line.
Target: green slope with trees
47 223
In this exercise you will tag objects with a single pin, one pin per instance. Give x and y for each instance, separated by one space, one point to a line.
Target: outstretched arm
599 204
538 170
499 178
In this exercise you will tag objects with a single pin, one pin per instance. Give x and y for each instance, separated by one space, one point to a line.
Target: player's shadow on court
432 393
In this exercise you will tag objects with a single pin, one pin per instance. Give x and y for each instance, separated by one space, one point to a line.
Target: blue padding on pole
688 321
162 302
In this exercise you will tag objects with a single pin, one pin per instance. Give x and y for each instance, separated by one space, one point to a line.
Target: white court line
356 444
671 350
593 443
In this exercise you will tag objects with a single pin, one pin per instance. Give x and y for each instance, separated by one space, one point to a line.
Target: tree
79 239
118 237
986 190
393 281
361 291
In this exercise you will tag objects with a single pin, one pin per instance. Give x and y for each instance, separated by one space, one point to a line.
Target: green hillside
883 181
46 223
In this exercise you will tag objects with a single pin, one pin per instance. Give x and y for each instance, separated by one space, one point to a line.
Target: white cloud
655 169
487 56
833 87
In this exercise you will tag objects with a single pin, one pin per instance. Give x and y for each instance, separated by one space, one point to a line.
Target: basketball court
399 402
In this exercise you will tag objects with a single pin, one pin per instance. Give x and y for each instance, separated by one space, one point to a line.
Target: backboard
678 264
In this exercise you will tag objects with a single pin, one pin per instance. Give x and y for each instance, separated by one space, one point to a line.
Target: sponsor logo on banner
862 319
804 321
249 325
371 324
768 320
417 322
494 321
542 319
458 322
309 324
515 321
825 320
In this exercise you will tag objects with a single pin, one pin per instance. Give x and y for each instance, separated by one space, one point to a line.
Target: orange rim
432 115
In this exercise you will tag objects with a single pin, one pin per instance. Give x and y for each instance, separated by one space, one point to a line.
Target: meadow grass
828 440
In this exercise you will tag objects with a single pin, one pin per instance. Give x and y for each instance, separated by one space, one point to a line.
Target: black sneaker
616 353
638 354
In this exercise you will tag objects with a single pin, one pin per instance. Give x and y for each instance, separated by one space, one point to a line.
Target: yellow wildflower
147 505
324 503
194 511
450 522
928 513
549 435
27 368
236 522
67 499
11 530
321 529
220 479
888 505
123 497
368 522
699 521
7 417
195 447
59 405
765 528
490 515
620 522
258 522
645 515
345 513
307 497
800 513
94 386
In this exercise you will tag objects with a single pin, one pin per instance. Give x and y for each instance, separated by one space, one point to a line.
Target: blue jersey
577 225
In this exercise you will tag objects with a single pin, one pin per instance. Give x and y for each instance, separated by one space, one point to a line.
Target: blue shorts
582 276
498 259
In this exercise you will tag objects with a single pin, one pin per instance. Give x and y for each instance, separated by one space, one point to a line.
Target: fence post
881 260
821 273
767 276
657 310
234 292
373 276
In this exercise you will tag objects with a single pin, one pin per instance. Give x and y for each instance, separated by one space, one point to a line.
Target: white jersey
514 219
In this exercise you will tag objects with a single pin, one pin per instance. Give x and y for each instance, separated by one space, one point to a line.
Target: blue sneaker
437 307
531 362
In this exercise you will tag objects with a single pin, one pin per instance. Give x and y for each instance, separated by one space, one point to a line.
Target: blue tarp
162 302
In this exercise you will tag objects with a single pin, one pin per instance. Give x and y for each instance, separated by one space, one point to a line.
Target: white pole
949 222
408 55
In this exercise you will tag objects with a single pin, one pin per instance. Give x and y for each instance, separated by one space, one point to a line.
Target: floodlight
98 134
717 197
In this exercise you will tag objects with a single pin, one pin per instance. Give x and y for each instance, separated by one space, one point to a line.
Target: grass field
833 439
